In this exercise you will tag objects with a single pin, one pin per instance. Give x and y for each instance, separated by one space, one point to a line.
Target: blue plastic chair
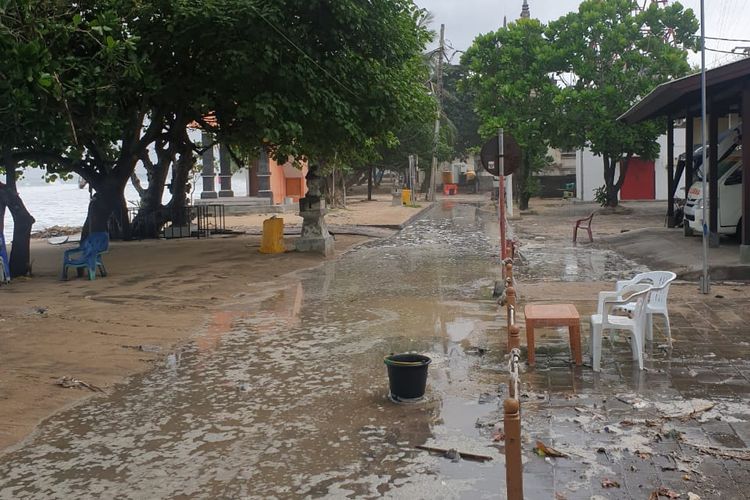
4 262
87 255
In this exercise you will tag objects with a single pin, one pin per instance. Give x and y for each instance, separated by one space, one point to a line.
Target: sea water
65 204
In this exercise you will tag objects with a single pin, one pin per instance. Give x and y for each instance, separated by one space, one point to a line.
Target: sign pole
501 193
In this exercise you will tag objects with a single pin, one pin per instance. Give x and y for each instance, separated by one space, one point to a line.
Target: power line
727 39
725 51
277 30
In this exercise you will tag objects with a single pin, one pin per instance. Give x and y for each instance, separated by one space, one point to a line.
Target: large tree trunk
369 183
524 191
176 151
613 187
181 171
108 211
20 255
609 182
152 215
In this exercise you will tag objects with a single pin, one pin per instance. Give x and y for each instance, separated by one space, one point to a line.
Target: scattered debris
56 231
143 347
70 382
544 451
498 436
478 351
453 455
452 452
674 434
486 397
715 451
663 492
608 483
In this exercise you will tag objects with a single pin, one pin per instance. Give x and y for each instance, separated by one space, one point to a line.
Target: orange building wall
287 181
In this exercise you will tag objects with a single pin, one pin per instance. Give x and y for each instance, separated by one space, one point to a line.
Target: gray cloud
465 19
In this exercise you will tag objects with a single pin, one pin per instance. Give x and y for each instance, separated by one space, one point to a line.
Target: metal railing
512 404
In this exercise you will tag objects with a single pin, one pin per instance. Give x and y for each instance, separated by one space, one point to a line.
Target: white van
730 188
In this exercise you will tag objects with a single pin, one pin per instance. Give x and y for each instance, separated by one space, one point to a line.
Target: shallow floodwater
287 396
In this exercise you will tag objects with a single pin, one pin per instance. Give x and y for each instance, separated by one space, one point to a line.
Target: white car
730 189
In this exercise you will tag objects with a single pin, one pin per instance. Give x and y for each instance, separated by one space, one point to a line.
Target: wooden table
543 315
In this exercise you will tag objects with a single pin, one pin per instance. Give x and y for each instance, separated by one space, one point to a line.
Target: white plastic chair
635 323
657 302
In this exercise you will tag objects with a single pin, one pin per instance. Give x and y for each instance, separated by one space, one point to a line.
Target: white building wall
589 174
590 170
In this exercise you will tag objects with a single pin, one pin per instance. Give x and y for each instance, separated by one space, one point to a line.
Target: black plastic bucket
407 375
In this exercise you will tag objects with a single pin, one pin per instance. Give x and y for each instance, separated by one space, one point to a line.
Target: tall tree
607 57
62 76
122 78
458 105
509 73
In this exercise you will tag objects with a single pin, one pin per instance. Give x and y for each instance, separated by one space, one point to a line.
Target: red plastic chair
450 189
584 224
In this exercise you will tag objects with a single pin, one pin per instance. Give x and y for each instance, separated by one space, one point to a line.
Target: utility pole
705 278
439 113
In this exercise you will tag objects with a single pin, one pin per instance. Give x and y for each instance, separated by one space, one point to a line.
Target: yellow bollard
273 236
406 196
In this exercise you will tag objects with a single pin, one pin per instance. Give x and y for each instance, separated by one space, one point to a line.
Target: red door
639 181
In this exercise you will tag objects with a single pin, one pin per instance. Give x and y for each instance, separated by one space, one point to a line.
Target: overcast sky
465 19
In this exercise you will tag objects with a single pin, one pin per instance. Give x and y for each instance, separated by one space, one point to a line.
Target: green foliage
509 76
600 196
608 57
87 87
458 106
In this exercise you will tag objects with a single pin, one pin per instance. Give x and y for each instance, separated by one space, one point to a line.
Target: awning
723 88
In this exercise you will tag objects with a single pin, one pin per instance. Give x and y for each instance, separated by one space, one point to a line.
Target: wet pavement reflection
286 396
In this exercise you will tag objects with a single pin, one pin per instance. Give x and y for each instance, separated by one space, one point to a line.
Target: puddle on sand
287 397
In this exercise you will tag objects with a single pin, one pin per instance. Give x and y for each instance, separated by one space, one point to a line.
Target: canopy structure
727 92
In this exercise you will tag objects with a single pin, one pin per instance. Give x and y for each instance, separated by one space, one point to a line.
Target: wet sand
157 294
284 392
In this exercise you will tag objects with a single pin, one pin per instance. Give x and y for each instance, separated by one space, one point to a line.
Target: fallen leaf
608 483
498 436
643 454
544 451
687 477
560 496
